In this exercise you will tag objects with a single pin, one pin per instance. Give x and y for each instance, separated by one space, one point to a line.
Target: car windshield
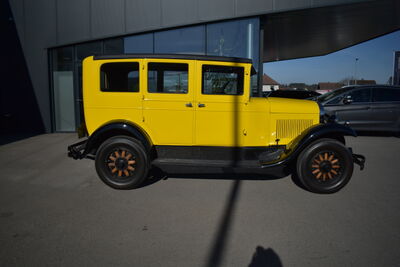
332 94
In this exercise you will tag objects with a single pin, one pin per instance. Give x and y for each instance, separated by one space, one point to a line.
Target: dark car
298 94
365 108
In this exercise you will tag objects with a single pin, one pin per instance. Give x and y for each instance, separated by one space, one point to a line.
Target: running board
207 163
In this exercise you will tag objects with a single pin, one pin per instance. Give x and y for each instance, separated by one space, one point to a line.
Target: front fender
315 132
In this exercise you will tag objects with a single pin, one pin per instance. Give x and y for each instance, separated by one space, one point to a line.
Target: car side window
335 101
171 78
222 80
360 96
386 95
119 77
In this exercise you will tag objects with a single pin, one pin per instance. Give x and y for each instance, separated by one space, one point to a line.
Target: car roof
370 86
174 56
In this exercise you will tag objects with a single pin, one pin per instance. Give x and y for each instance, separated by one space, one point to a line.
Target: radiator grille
291 128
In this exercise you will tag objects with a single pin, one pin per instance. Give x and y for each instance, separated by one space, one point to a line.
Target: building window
222 80
63 88
119 77
189 40
139 44
113 46
168 78
236 38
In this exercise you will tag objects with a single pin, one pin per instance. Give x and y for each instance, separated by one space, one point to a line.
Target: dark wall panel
211 9
19 112
107 17
178 12
73 20
317 3
246 7
17 7
142 15
40 33
290 4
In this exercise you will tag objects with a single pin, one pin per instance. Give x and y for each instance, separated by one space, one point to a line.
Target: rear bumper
77 150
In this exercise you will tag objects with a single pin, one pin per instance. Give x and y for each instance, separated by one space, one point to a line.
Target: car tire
122 162
324 167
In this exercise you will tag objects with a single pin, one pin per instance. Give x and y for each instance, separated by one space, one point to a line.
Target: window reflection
189 40
63 89
139 44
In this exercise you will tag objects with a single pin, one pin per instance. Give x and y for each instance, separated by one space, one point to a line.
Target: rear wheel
122 162
325 166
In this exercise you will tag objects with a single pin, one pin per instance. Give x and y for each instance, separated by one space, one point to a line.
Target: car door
385 108
354 107
168 101
219 101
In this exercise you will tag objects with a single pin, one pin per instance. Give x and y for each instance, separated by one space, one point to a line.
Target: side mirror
347 100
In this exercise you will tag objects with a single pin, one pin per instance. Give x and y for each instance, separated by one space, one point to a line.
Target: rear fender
114 129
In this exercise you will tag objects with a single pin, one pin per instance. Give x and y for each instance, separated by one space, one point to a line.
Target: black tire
122 162
324 167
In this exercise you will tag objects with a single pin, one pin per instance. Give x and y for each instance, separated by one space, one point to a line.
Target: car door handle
200 105
189 105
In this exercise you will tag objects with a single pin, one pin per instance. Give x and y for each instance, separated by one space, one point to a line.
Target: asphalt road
54 211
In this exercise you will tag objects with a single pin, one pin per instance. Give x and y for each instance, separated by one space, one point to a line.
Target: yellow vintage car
195 113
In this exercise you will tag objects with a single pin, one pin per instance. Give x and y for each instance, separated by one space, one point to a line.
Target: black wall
19 111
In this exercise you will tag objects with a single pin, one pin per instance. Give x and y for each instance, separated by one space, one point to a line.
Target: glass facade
190 40
139 44
63 89
236 38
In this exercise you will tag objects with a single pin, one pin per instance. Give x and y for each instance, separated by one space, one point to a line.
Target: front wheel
325 166
122 162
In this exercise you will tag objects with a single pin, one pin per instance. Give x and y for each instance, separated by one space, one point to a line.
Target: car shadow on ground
156 175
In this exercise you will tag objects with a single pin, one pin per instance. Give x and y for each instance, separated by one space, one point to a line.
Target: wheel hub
121 163
325 166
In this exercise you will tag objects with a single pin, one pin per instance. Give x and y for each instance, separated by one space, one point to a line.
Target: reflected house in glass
57 35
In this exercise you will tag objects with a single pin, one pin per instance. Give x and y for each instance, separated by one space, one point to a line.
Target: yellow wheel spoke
117 154
334 161
131 168
316 171
123 154
131 162
119 173
315 166
336 166
326 156
330 158
128 156
329 175
334 172
319 175
112 158
114 170
126 173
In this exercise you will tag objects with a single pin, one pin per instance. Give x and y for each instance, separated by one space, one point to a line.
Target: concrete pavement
54 211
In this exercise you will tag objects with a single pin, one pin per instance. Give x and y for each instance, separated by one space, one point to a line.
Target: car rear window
119 77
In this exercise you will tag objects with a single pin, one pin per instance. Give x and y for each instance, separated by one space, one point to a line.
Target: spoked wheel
122 163
325 166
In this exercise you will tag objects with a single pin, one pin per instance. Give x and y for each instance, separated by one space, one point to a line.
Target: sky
375 62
